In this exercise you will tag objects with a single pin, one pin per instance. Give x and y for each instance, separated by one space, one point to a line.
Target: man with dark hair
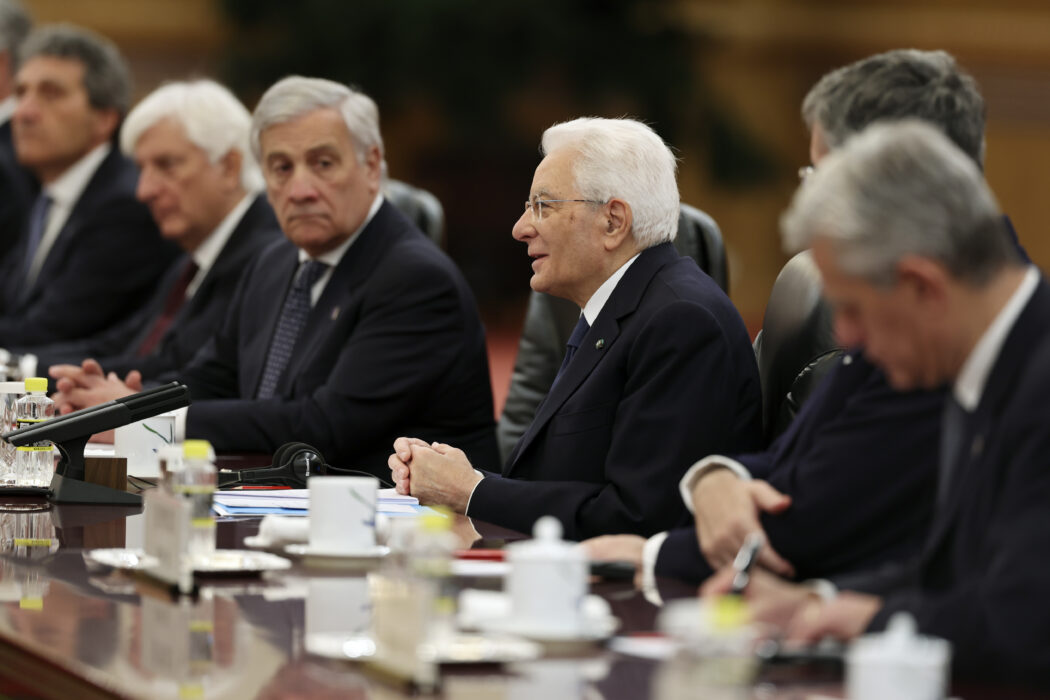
89 252
16 186
908 239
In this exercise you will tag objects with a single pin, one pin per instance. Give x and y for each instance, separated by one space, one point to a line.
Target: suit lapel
350 274
606 328
1013 358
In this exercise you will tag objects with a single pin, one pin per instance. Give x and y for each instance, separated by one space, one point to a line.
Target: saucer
119 558
235 562
260 542
593 630
461 648
328 557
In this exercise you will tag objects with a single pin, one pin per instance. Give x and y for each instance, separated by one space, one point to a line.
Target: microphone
71 432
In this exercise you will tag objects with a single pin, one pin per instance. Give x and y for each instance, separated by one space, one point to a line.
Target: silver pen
745 561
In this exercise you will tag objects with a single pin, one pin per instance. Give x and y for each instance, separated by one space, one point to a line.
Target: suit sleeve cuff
466 511
697 471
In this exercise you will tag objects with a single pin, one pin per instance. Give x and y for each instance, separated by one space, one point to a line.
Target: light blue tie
294 313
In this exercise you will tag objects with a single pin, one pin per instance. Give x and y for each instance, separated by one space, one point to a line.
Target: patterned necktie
172 303
38 216
572 345
293 319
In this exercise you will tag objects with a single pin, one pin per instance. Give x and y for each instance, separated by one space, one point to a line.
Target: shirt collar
969 385
71 184
601 295
7 108
208 251
333 257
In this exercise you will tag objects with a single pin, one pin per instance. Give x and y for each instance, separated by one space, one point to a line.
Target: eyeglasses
536 205
804 172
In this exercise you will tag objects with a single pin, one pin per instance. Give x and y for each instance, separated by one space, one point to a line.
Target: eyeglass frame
536 205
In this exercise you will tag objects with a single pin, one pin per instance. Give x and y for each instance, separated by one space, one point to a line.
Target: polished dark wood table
70 631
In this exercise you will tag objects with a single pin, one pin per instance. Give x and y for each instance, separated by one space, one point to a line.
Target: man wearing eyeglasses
659 369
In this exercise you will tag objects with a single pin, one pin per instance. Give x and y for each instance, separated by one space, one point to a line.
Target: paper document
297 502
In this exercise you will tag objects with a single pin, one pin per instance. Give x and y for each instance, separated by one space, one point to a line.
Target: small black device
293 462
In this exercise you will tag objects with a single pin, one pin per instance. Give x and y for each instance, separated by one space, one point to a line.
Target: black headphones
293 464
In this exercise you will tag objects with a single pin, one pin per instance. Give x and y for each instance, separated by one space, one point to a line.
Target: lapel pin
600 344
335 313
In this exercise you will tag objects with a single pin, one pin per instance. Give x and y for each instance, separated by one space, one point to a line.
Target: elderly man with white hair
659 370
910 244
202 186
355 327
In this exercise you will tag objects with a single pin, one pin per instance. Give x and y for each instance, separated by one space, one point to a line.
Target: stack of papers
296 502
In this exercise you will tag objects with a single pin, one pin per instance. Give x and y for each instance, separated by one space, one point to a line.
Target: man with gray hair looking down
659 370
354 329
909 242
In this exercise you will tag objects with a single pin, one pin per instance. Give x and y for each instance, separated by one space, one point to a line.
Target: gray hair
623 158
294 96
900 188
213 119
14 27
106 76
928 85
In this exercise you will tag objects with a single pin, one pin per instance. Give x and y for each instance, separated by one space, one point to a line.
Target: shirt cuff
466 511
822 587
650 553
692 477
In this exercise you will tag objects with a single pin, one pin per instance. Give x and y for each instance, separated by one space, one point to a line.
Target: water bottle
34 464
196 483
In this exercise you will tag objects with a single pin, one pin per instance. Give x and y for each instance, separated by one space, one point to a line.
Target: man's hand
87 385
398 463
727 511
438 474
844 617
770 599
626 548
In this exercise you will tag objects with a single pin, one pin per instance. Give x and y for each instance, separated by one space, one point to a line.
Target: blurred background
466 87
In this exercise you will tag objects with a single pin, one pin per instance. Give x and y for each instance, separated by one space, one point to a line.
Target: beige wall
761 56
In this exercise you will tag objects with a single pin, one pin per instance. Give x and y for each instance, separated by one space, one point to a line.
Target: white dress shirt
210 248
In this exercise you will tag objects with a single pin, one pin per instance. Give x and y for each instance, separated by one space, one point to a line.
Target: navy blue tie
572 345
37 223
294 313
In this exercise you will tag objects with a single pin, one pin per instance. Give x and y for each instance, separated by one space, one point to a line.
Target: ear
106 123
231 167
924 281
374 165
619 222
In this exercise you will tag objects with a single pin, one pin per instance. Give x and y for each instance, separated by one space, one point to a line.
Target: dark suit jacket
196 321
860 464
983 576
105 262
393 347
665 376
17 191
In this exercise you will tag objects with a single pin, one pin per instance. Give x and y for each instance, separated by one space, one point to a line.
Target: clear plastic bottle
34 464
432 550
196 482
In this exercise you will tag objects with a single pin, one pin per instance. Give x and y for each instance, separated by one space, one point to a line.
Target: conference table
71 630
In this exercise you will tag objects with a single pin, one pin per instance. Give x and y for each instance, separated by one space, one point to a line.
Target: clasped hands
435 473
84 385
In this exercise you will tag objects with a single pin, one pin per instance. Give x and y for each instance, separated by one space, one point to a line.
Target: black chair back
423 208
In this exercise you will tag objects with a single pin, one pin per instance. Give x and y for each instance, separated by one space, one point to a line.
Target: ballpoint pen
744 561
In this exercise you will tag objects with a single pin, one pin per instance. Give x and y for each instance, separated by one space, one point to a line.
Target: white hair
213 119
623 158
896 189
294 96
